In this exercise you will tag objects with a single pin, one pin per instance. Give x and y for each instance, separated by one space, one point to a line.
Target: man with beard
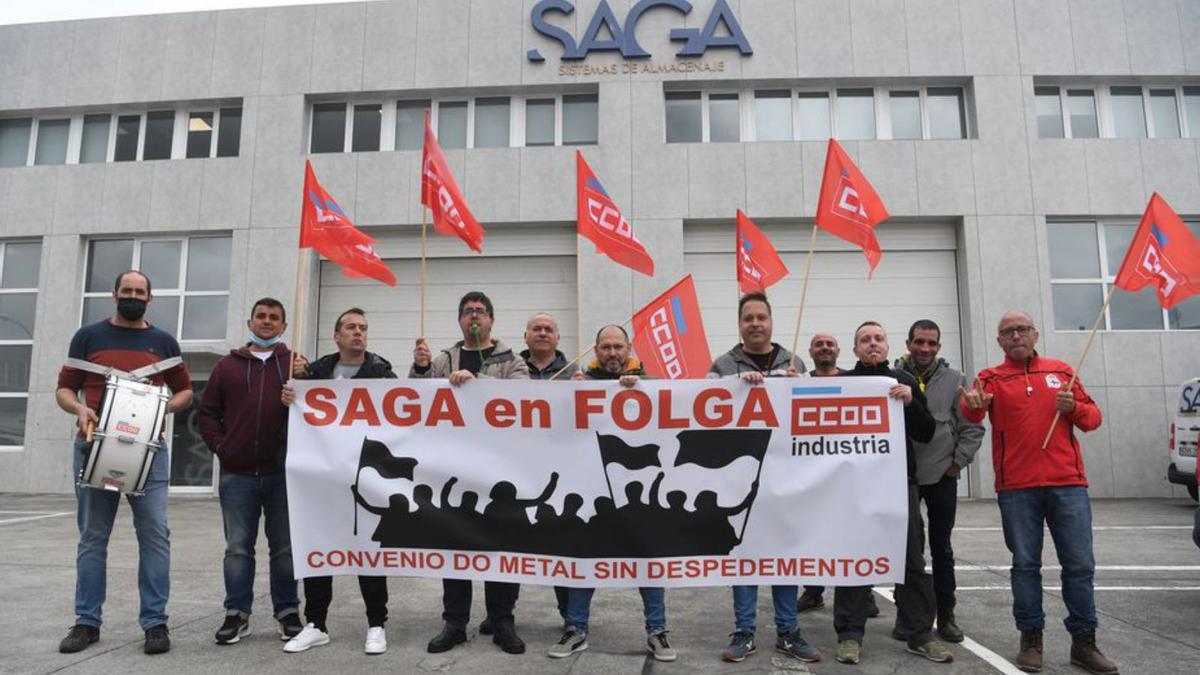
614 361
914 597
124 341
755 359
939 462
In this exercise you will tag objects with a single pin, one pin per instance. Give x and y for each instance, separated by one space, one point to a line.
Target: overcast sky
35 11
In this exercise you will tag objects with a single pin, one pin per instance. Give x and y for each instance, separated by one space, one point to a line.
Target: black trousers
941 502
318 593
560 595
914 597
500 598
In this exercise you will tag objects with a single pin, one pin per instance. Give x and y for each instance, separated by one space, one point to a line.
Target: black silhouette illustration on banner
648 525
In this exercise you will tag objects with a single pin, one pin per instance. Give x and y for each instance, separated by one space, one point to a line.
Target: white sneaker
376 640
307 639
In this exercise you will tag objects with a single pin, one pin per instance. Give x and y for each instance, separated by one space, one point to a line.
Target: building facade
1014 142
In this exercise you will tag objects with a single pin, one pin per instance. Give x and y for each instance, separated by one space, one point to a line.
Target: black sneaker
290 626
506 637
797 647
741 645
872 606
485 627
446 640
809 602
157 640
78 638
236 626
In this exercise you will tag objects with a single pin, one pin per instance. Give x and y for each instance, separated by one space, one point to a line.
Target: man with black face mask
127 342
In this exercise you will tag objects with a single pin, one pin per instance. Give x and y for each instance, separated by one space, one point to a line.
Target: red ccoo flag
439 191
849 207
599 219
1163 253
669 335
325 227
758 265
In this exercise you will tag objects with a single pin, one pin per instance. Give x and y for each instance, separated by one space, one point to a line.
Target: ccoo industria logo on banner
693 482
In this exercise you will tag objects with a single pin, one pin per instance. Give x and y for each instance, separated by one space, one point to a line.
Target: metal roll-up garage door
524 269
917 279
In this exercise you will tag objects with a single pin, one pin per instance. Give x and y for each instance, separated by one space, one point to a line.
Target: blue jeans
745 608
654 607
243 498
1068 513
96 511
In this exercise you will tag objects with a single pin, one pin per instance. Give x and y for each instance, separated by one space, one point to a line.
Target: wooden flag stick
1079 364
812 247
421 329
578 295
298 306
583 354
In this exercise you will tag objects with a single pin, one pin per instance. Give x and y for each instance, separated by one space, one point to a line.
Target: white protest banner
669 483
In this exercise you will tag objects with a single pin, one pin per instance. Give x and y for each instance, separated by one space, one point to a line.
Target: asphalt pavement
1148 597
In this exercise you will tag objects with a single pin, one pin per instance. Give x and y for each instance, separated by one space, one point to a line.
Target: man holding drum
124 342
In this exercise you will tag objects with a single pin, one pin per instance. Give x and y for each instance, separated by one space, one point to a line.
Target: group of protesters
243 412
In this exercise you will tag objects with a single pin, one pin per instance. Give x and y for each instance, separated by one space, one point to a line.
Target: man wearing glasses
1038 486
476 355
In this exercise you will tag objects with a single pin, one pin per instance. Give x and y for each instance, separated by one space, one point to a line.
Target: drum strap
138 374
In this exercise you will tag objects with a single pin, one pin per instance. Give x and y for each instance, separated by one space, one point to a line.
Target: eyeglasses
473 311
1014 331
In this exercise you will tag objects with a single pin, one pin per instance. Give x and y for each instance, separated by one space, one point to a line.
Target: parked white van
1185 432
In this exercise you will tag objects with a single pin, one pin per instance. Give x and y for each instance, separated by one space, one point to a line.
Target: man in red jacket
242 420
1037 486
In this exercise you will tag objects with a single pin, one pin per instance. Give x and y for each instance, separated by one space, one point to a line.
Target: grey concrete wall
1001 184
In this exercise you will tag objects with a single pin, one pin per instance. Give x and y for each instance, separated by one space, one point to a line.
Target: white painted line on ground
12 521
989 657
23 513
1098 588
1105 568
1095 528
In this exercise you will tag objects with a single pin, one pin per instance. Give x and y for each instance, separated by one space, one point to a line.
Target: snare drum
131 421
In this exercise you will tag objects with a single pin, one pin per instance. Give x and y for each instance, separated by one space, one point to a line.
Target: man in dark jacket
352 361
914 597
542 356
243 422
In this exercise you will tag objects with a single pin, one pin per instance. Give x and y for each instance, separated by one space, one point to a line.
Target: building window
906 114
14 141
328 128
93 145
128 131
773 115
410 124
848 113
580 119
452 124
539 121
368 122
1049 112
189 278
492 122
855 114
199 134
1128 115
813 112
685 117
52 141
1126 111
160 132
19 263
229 132
1084 259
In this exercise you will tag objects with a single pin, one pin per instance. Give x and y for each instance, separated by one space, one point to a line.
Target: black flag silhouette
375 455
716 448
